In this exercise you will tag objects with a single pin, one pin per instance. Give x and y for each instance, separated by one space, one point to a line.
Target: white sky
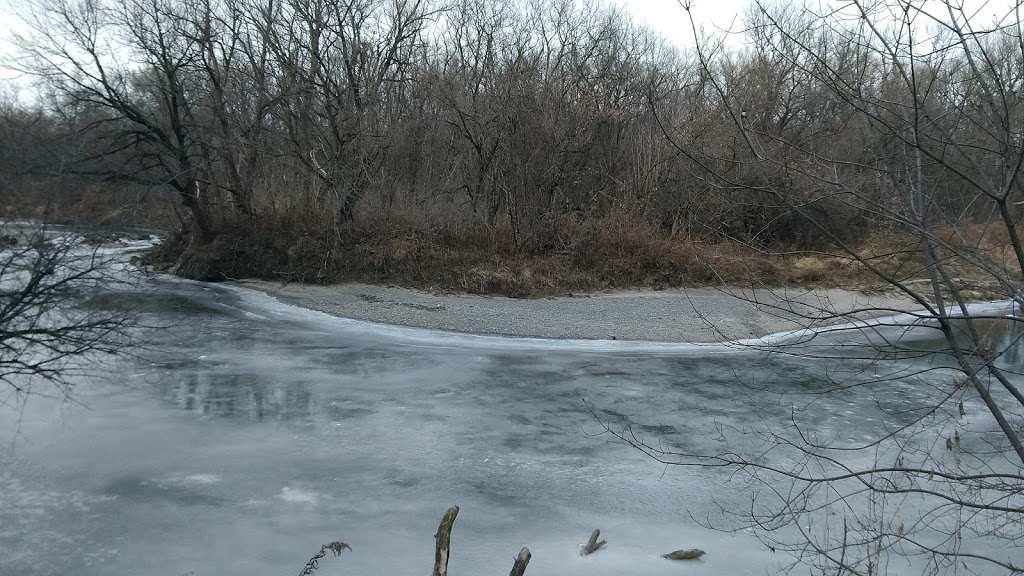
666 17
7 23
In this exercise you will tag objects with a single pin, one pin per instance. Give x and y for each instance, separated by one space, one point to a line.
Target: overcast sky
7 23
668 17
664 16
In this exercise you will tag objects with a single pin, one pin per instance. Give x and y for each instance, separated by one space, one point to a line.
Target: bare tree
341 66
49 332
932 97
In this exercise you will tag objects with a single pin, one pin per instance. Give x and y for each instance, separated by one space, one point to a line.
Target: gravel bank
684 315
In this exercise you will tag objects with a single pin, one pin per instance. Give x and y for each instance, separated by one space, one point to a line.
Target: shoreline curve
691 315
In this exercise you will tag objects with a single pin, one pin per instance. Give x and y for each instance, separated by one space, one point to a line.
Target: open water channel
247 432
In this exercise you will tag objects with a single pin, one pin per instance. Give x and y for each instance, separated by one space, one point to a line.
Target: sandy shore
683 315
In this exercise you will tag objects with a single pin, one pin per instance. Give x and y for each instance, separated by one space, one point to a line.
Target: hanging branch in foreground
48 329
923 484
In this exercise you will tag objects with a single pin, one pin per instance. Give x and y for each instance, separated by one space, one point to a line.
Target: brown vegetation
602 254
481 146
519 148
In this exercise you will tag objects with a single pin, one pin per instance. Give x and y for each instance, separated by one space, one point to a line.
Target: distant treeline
307 126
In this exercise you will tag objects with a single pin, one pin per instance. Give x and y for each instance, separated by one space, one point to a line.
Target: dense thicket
304 125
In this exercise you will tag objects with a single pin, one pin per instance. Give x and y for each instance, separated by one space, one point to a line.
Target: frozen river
250 432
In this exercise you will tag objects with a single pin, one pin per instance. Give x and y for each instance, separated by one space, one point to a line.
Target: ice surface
251 432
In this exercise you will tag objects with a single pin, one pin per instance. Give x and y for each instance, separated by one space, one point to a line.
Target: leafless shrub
48 331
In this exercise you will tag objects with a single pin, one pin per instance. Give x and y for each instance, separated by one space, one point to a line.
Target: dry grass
972 254
565 255
570 256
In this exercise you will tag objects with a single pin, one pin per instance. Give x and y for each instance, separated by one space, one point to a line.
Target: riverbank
677 315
